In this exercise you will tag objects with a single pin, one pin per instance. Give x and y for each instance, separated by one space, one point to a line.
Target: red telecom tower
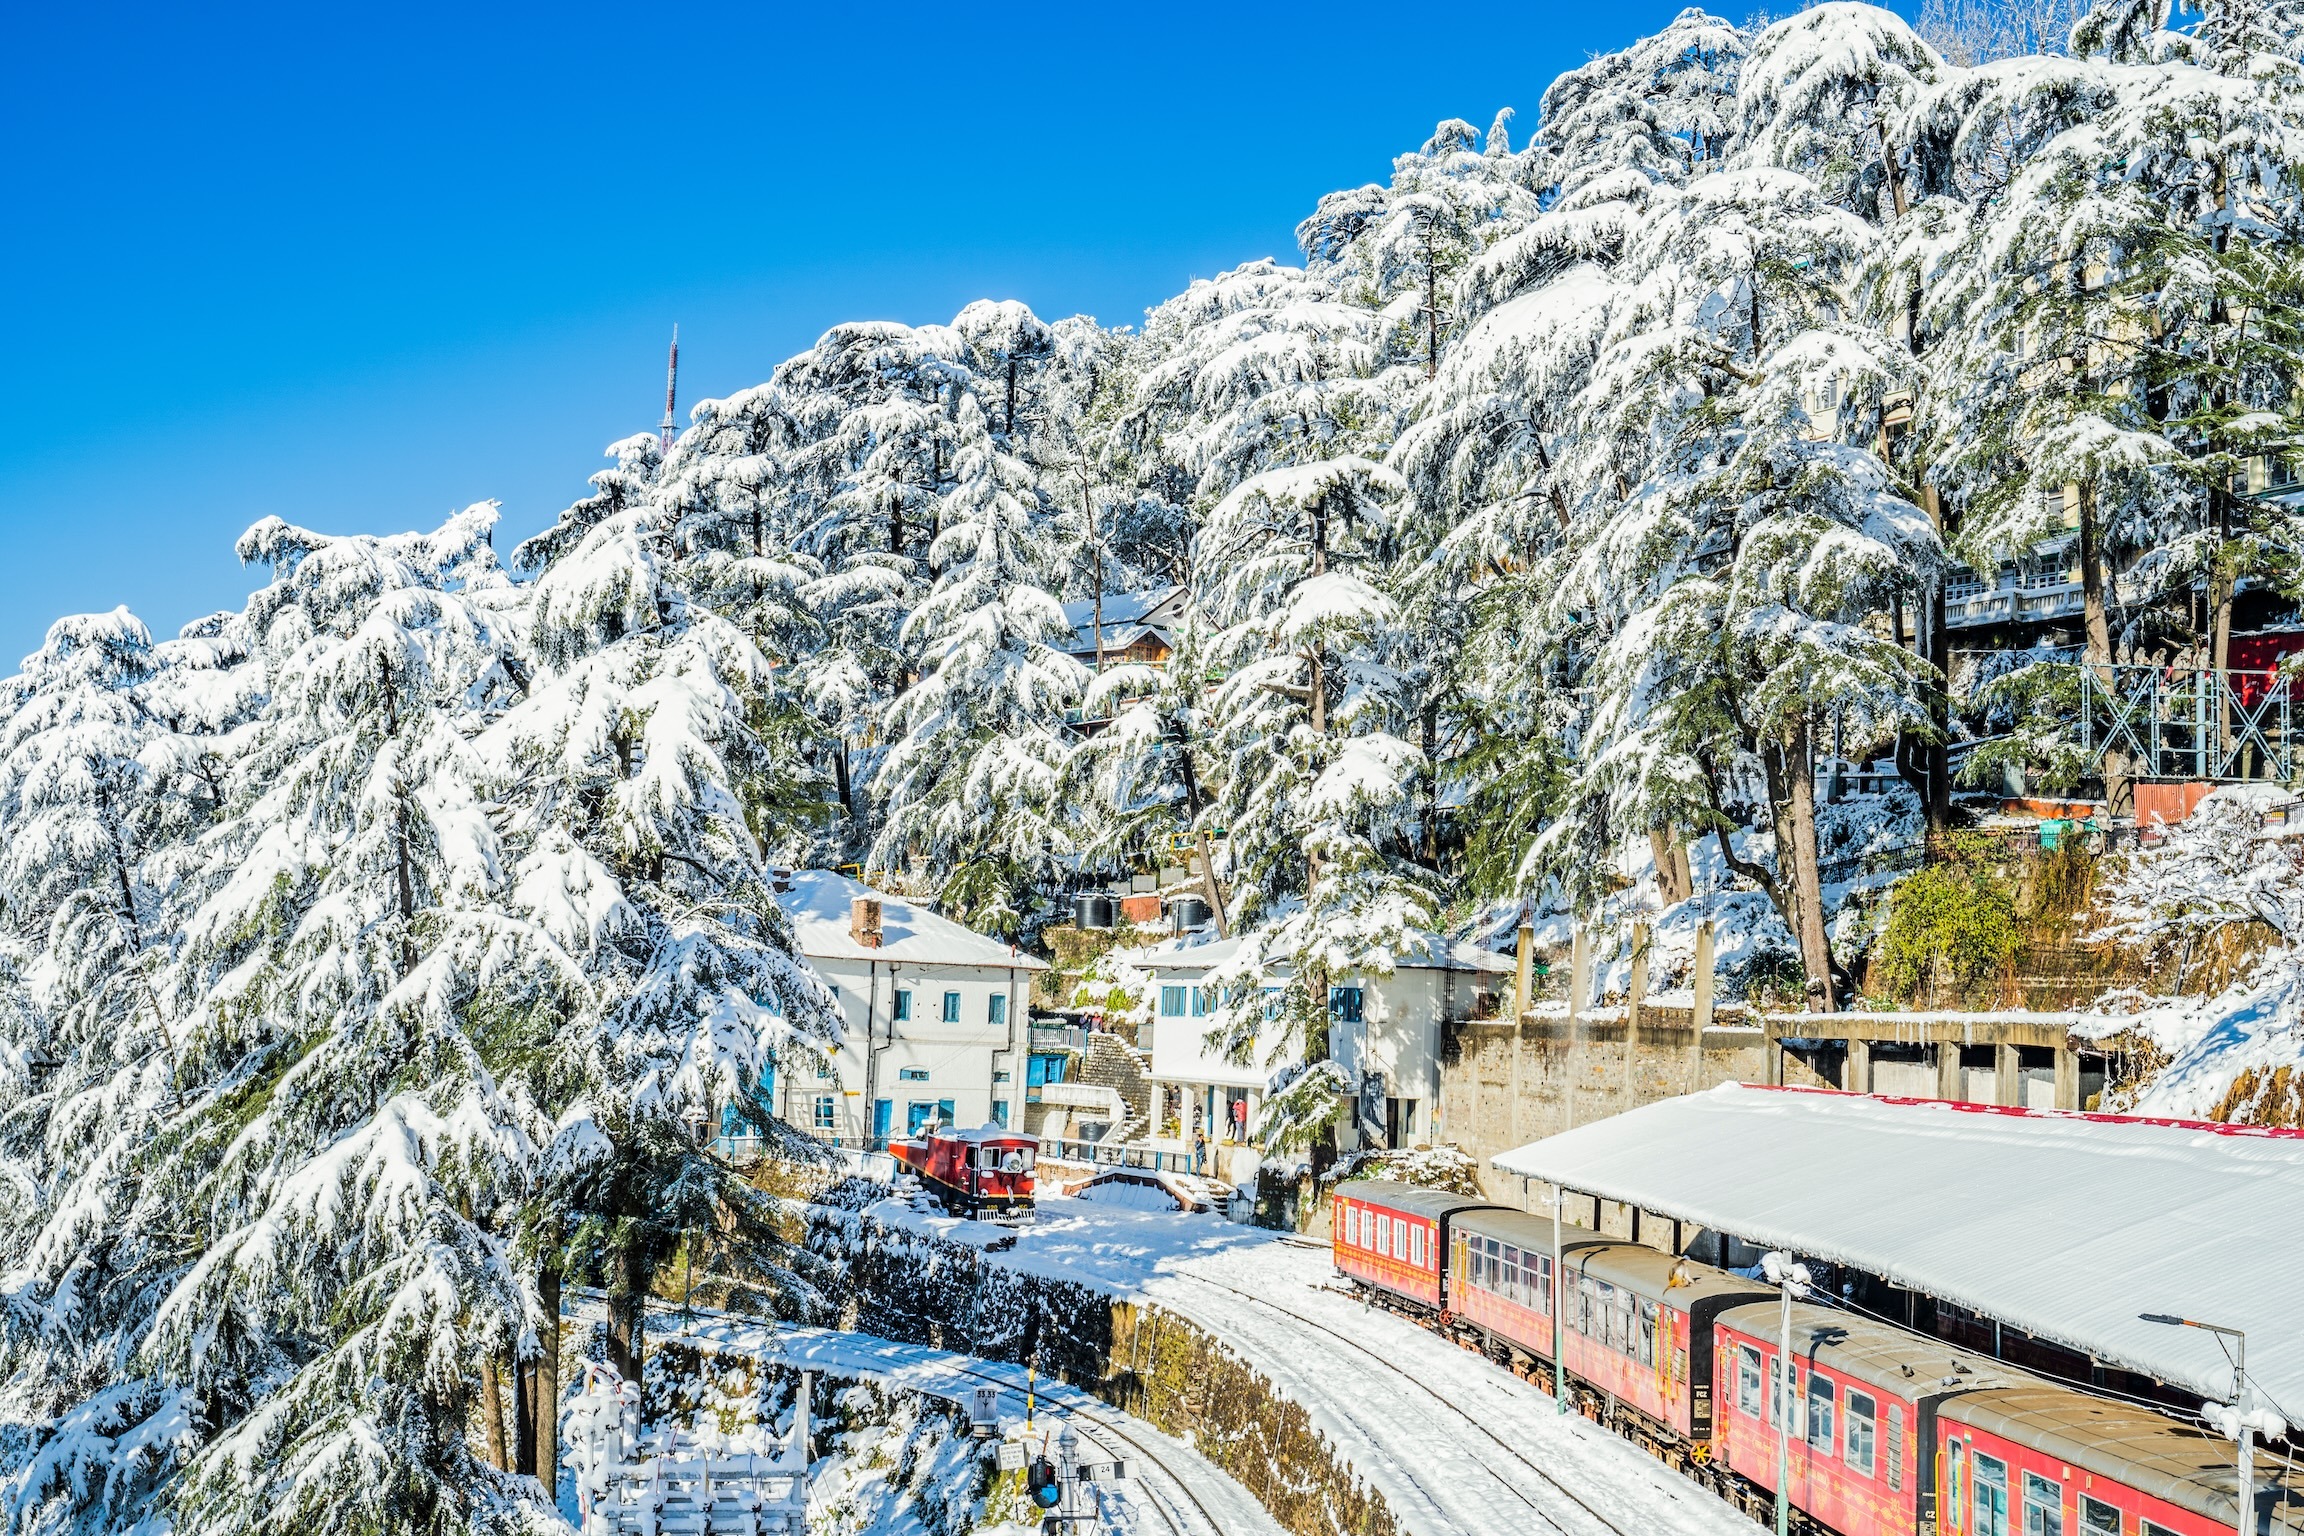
671 386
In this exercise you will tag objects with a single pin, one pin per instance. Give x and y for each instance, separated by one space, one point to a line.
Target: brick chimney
864 921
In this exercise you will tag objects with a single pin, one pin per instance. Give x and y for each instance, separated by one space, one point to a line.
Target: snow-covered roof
2065 1225
1425 952
1124 612
817 903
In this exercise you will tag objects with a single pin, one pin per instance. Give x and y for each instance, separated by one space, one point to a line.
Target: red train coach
988 1169
1639 1336
1394 1237
2043 1458
1500 1279
1865 1396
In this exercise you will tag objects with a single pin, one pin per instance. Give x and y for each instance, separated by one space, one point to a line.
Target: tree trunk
1319 686
2223 580
524 1418
627 1297
1010 429
1673 884
1939 752
1431 311
407 890
1431 827
547 1400
2098 629
1792 797
492 1412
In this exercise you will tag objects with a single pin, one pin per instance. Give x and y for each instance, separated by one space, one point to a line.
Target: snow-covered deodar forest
378 958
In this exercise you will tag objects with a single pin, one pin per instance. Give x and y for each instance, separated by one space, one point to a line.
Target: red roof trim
2215 1127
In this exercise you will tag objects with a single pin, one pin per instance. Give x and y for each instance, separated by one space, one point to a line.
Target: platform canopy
2065 1225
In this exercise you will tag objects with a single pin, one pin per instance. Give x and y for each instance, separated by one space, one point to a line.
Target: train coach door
1952 1498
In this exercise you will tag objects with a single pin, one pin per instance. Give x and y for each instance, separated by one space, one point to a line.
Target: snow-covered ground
1453 1443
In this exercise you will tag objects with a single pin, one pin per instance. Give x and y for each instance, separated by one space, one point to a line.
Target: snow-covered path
1187 1495
1453 1443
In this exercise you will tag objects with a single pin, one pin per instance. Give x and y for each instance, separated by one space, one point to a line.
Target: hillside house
934 1014
1385 1031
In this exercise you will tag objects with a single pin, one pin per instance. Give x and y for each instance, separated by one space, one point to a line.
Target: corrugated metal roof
2064 1225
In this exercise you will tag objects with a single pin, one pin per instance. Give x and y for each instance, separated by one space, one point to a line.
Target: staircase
1108 1061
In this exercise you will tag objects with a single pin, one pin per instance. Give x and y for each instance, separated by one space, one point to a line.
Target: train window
1748 1380
1858 1435
1606 1306
1991 1496
2043 1506
1383 1234
1512 1289
1583 1323
1820 1395
2098 1518
1541 1281
1416 1245
1955 1484
1895 1447
2150 1529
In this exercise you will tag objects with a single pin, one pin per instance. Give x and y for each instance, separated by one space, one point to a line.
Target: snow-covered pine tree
978 740
641 792
1318 792
322 1195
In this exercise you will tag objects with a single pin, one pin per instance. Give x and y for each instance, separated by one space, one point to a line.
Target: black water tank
1092 911
1191 912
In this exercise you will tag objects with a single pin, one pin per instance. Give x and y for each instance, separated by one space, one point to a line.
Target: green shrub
1950 926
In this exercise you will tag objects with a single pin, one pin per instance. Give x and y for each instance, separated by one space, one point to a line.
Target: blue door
883 1118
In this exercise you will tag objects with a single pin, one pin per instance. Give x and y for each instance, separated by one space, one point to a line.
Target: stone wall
1504 1084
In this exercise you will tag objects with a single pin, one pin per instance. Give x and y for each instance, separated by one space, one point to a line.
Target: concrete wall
1505 1084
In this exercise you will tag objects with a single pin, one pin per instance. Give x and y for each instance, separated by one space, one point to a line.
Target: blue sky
360 265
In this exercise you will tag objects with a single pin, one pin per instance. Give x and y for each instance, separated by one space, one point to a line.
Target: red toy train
974 1172
1891 1432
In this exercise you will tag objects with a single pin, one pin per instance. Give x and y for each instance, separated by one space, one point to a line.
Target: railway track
1441 1398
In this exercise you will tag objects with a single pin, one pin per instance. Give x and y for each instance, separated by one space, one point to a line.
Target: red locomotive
1890 1432
972 1172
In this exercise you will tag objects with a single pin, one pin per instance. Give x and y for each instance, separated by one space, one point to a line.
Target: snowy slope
1453 1443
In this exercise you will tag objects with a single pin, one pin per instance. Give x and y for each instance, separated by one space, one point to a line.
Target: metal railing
1114 1154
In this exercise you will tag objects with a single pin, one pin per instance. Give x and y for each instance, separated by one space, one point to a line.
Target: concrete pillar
1775 1062
2009 1086
1524 964
1948 1070
1857 1075
1700 1017
2067 1078
1579 988
1636 994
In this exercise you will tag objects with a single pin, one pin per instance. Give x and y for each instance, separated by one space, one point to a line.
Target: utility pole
671 386
2242 1419
1793 1278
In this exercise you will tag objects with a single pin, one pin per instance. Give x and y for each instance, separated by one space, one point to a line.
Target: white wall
957 1059
1179 1051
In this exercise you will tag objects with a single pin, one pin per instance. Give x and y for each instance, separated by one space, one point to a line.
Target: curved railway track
1439 1397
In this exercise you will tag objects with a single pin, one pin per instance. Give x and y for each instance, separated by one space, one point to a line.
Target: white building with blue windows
1385 1031
936 1016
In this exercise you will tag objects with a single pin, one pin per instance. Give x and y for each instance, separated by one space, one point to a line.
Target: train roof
2136 1447
986 1132
1431 1203
1530 1231
2073 1227
1909 1365
1677 1282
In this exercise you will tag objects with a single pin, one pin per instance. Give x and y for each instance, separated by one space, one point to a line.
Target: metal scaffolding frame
2190 722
